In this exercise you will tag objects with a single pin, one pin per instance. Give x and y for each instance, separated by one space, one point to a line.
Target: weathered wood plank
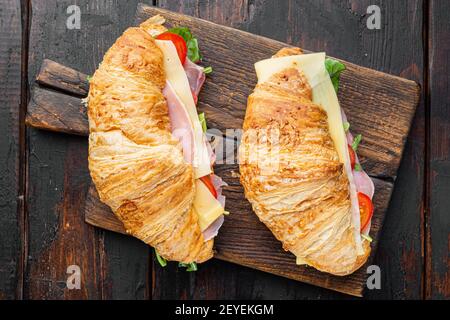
56 111
63 78
10 88
99 214
399 254
112 266
58 237
438 218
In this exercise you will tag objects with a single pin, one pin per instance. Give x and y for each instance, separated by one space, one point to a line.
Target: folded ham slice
179 118
213 229
195 75
180 122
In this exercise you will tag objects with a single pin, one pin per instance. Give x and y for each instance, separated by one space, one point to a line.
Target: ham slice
213 228
218 183
362 180
195 75
363 183
180 122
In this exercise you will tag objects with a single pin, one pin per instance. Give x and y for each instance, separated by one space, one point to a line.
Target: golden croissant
294 164
140 167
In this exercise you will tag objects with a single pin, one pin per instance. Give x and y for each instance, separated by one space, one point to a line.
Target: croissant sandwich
298 163
148 154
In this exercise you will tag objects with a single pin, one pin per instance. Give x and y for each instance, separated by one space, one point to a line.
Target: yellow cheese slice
176 75
207 207
313 67
300 261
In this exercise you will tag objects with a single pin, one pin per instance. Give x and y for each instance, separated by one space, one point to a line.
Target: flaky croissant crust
292 175
136 165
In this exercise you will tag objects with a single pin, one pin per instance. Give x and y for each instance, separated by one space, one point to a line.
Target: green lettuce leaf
346 126
367 237
334 69
207 70
190 267
202 119
161 260
356 142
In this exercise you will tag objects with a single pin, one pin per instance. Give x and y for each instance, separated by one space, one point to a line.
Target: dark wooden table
44 176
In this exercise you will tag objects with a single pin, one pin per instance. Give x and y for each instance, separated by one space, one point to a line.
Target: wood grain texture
438 218
55 104
60 109
56 111
99 214
112 266
255 259
10 87
63 78
400 254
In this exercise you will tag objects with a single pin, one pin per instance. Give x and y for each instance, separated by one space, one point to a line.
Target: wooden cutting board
378 105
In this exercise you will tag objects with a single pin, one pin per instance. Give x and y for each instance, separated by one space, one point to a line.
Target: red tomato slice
208 183
179 43
352 156
365 209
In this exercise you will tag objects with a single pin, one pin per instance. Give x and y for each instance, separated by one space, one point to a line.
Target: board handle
62 78
56 100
